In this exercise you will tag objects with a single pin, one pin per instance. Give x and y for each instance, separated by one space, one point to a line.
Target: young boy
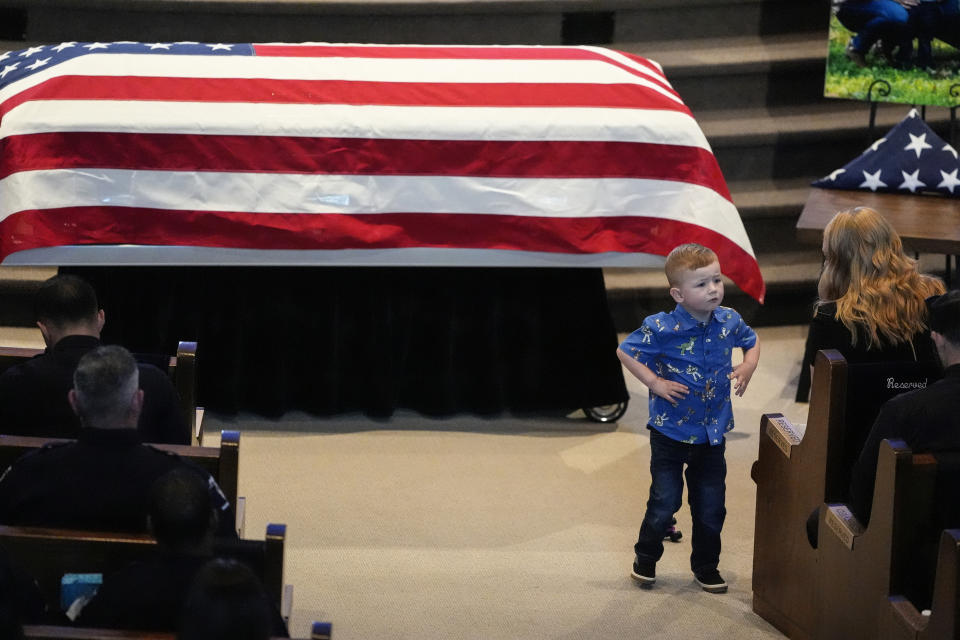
684 359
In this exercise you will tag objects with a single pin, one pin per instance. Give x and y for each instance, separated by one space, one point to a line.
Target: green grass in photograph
844 79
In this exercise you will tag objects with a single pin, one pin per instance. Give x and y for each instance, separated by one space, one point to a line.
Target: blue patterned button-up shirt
678 347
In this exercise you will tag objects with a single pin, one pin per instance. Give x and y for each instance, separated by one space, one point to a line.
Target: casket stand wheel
606 412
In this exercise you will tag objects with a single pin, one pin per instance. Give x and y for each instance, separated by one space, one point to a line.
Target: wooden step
809 140
740 72
652 20
408 21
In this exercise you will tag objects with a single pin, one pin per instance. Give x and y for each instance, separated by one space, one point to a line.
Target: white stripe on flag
627 61
301 193
365 121
412 70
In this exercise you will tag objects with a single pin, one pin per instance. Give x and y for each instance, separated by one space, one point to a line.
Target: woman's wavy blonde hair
877 288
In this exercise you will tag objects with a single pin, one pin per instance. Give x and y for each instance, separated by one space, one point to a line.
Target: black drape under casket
329 340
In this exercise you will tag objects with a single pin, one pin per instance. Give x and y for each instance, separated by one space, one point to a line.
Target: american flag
580 156
909 159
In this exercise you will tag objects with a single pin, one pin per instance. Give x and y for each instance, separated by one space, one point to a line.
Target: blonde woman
871 296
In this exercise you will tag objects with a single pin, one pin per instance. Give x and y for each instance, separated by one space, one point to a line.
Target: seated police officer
33 394
102 480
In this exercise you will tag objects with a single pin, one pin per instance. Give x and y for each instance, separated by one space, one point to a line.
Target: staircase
750 70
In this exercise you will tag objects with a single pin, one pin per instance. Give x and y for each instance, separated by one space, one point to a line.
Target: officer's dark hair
945 315
226 602
181 511
65 299
104 383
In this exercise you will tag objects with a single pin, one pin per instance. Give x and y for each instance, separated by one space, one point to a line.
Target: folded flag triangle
910 158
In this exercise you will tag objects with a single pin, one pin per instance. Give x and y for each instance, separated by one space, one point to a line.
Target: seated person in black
33 395
149 595
871 296
926 419
102 480
21 601
227 602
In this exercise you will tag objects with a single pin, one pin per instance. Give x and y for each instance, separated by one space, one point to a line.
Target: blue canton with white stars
910 158
676 346
16 65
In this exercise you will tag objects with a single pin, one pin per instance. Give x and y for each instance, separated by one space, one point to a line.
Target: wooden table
926 224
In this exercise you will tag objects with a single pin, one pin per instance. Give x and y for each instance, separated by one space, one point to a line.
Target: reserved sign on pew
781 431
843 523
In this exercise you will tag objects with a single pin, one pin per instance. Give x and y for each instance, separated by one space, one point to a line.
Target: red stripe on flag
458 53
244 230
276 91
361 156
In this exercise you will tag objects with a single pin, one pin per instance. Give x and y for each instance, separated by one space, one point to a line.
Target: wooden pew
48 554
857 565
222 462
182 369
52 632
900 619
793 476
55 632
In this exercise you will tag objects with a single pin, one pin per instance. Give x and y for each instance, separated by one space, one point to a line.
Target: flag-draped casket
336 154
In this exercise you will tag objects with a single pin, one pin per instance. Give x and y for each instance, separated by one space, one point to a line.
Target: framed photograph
905 51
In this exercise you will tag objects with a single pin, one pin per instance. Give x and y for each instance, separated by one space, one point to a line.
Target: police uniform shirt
33 397
101 482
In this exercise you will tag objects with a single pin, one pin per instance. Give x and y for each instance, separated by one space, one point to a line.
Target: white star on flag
949 180
7 69
911 181
904 154
160 45
96 45
4 56
220 46
26 53
64 45
38 63
918 144
872 181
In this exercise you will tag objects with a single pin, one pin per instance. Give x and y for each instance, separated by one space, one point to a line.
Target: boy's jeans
706 491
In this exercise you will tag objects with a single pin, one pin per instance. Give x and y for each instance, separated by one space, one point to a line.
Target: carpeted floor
498 528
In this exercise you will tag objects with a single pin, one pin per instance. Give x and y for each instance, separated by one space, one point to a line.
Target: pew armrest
185 380
273 561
